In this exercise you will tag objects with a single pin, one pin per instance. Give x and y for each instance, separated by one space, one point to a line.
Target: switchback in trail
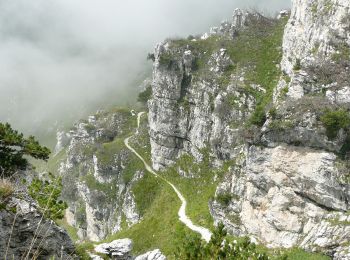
204 232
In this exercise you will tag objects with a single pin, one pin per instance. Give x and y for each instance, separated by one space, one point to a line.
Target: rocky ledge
24 232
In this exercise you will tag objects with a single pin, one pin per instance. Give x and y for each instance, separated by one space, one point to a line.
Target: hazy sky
58 57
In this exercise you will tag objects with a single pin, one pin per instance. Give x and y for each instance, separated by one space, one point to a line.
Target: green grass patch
199 189
107 152
334 120
145 95
82 250
158 203
299 254
160 227
109 189
72 231
146 191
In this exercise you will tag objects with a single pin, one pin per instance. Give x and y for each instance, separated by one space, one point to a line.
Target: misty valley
162 133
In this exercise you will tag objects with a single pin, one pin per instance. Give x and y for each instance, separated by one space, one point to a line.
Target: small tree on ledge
14 148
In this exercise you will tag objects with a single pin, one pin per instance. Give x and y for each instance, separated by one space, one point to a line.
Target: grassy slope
158 204
155 200
198 190
160 227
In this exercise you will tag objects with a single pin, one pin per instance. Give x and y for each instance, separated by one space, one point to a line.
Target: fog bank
62 58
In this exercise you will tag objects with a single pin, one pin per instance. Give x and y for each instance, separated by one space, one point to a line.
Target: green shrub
89 127
273 112
345 149
334 120
47 194
280 125
219 248
297 65
224 199
258 117
145 95
165 59
284 91
82 250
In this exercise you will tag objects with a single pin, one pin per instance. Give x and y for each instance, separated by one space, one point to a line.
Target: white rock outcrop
118 249
316 43
152 255
286 196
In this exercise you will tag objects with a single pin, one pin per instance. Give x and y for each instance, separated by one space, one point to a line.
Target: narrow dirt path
204 232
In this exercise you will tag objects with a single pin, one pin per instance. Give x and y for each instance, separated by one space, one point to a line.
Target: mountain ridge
248 120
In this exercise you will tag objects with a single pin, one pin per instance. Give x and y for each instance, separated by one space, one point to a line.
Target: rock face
23 229
152 255
316 29
117 249
286 196
240 20
121 250
288 184
62 141
191 102
316 49
97 176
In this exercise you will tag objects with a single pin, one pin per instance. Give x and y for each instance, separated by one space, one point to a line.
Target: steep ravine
204 232
249 124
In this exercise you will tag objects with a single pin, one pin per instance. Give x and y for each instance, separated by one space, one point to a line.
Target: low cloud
62 58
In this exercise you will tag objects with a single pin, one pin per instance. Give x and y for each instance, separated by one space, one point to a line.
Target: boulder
151 255
118 249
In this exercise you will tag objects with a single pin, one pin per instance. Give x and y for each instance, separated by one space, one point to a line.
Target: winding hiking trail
205 233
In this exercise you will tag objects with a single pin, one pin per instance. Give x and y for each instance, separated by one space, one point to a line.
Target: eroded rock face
191 109
297 122
19 229
94 170
316 50
288 186
291 189
240 20
314 31
287 196
62 141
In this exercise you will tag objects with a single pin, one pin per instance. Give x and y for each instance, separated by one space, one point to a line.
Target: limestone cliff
98 173
197 83
274 101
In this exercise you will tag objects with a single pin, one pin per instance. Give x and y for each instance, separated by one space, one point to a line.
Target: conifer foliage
219 248
14 148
